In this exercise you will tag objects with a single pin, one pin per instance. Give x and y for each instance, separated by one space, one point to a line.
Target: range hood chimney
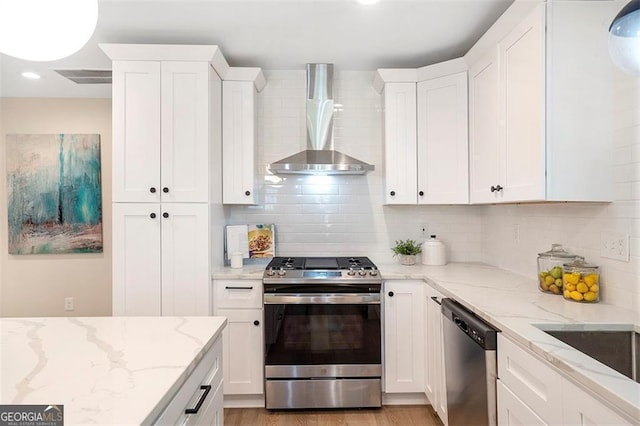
320 157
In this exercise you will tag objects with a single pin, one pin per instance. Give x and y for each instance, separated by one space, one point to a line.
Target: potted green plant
406 250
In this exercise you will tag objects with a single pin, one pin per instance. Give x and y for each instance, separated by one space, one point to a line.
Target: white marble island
104 370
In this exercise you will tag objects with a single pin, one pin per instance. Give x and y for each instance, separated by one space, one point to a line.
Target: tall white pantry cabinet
167 103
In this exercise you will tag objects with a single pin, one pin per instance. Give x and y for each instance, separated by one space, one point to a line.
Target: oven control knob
351 272
282 272
362 272
373 272
270 272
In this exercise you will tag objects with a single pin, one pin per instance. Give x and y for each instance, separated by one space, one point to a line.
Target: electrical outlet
423 230
68 303
614 246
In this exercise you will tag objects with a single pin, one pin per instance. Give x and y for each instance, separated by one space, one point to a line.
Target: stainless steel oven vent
83 76
320 157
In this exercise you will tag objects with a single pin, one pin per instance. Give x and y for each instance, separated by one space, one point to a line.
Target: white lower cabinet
512 411
434 379
199 399
161 259
531 392
404 336
240 301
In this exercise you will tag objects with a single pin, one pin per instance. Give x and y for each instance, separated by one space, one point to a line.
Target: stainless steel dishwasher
470 366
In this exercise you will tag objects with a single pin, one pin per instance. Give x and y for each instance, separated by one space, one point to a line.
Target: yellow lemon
594 288
572 278
567 294
548 280
571 287
576 295
582 287
591 279
590 296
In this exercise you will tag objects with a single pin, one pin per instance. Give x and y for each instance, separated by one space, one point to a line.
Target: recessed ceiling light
31 75
367 2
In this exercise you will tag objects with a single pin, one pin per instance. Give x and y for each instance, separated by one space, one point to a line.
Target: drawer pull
435 299
194 410
238 288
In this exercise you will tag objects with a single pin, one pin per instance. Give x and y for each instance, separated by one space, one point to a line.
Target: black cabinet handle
152 190
238 288
496 188
165 190
390 294
435 299
256 323
152 215
421 193
392 193
194 410
165 215
247 193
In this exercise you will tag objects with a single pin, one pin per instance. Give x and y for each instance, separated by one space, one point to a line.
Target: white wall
36 285
330 215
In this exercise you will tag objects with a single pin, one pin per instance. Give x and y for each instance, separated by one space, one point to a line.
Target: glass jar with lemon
550 268
581 282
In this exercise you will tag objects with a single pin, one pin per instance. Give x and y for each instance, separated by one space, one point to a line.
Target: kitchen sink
616 348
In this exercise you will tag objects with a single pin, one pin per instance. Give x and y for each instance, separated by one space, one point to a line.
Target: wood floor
400 415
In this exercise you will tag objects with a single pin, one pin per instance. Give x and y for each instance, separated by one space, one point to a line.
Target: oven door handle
323 298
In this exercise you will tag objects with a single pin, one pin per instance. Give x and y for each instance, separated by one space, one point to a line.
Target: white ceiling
272 34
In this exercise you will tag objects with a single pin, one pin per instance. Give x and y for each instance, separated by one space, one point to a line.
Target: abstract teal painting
55 193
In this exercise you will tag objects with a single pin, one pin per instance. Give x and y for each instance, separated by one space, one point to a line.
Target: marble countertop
104 370
513 304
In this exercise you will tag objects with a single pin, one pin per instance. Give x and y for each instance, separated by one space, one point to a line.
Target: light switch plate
614 246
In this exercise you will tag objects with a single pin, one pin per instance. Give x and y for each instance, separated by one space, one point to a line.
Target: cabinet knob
256 323
165 215
496 188
165 190
392 193
152 215
247 193
421 193
152 190
390 294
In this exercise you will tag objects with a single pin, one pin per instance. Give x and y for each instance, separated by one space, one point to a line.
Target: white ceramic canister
236 260
434 252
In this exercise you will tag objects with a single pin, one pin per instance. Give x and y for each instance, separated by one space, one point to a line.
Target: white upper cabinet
136 131
426 134
443 167
484 144
522 101
400 163
239 130
238 140
540 109
161 131
184 121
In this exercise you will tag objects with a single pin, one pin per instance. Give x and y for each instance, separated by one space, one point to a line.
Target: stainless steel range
323 344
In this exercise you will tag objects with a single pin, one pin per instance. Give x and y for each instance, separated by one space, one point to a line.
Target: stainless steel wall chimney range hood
320 157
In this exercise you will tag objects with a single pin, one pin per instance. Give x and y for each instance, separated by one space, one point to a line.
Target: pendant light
46 30
624 38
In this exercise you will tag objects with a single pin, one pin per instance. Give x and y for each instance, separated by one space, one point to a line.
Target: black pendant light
624 38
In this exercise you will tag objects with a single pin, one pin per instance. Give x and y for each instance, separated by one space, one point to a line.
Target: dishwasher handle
478 330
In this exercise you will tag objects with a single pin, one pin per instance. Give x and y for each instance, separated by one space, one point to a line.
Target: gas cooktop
321 269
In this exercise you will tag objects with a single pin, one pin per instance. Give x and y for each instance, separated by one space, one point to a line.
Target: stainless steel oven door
322 335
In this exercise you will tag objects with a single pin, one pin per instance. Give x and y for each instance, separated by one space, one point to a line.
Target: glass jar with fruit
550 268
581 282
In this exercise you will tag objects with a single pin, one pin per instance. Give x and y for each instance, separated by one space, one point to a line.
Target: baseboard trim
404 399
244 401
